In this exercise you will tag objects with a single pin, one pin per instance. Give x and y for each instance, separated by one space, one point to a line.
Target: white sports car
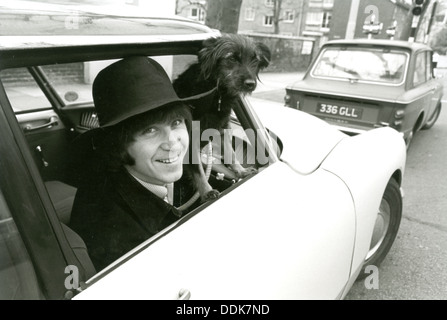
322 211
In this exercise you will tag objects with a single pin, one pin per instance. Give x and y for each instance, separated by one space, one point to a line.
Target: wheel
386 227
430 123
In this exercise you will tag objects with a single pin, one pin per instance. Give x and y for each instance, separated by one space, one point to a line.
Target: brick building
295 18
381 13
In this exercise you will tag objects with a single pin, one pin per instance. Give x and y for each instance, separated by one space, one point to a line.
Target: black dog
231 63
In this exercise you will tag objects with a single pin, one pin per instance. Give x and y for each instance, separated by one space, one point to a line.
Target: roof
59 25
414 46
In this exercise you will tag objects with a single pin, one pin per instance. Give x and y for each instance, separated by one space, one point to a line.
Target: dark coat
116 214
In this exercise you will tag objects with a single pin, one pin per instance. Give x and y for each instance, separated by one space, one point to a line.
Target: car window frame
430 66
417 67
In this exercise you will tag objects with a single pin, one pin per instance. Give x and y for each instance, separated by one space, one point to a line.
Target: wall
62 73
289 54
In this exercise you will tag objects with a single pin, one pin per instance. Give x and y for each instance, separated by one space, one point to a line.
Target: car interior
53 106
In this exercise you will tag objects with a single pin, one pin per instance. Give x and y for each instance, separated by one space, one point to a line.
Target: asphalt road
416 266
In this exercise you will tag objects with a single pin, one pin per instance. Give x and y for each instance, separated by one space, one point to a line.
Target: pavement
271 85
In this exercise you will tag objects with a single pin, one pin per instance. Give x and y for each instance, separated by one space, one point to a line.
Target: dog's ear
207 57
264 54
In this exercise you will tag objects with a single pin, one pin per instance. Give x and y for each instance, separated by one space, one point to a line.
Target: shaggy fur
231 63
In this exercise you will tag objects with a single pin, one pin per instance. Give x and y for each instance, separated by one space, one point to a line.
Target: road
416 266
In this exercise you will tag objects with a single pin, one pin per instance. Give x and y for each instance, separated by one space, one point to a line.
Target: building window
269 3
314 18
289 16
268 21
326 19
197 14
249 14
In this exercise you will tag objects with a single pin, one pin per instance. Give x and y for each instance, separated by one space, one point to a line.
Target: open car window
23 92
53 105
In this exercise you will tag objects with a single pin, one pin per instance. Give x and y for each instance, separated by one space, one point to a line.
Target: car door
426 90
42 126
33 242
272 236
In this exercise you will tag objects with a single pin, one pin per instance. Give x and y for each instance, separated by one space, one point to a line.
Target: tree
223 15
276 15
439 41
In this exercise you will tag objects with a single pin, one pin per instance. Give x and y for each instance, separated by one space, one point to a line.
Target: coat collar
150 210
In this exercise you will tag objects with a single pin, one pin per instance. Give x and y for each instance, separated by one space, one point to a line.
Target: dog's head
234 62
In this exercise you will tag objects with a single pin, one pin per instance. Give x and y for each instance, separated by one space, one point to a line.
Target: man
142 140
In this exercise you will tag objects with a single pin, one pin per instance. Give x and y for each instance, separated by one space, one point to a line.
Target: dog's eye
231 57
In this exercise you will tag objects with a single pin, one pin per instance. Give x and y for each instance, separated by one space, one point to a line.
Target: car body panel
238 250
56 20
371 151
308 131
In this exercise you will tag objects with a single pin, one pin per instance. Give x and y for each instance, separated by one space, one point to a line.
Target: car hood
357 90
270 238
306 139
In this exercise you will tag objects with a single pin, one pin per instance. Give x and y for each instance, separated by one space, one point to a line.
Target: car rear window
362 64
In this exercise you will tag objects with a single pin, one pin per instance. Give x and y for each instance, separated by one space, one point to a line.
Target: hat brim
196 100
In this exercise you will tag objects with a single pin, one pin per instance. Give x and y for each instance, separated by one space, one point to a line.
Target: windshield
362 64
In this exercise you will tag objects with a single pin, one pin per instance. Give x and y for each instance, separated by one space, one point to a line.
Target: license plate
341 111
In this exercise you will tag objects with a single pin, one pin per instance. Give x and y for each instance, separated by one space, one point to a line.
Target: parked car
361 84
322 207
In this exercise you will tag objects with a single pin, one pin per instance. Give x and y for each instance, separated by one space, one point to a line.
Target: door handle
53 121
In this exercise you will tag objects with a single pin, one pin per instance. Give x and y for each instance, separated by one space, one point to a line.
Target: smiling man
142 141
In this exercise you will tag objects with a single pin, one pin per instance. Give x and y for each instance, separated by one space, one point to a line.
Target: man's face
158 151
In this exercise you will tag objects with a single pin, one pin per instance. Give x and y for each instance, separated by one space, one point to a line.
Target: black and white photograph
235 153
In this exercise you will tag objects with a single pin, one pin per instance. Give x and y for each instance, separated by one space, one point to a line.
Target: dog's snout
250 84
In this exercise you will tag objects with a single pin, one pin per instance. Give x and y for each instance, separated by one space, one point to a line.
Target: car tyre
386 227
430 123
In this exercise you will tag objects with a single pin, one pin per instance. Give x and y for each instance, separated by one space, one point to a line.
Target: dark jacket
116 214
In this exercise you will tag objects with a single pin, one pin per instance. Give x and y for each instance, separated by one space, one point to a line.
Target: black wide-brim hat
133 86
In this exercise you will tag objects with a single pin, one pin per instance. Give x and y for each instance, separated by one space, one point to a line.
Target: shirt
164 192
